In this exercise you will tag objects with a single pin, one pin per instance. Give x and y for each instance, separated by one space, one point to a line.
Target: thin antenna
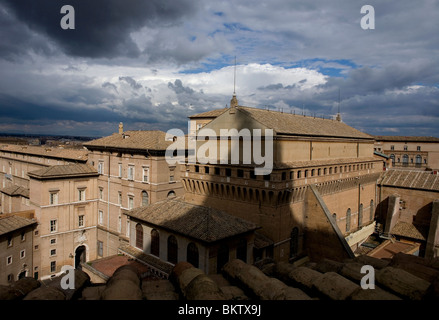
338 100
234 80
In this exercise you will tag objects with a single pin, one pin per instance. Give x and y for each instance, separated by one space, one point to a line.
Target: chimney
120 127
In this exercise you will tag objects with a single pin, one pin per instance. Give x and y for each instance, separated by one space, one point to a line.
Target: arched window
405 160
171 194
294 242
155 242
392 156
192 255
418 160
360 215
145 198
241 250
372 210
139 236
172 250
348 220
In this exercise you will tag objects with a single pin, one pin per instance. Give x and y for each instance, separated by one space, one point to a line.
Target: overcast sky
151 64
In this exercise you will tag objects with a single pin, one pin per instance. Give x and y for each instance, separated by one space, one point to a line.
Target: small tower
120 127
234 101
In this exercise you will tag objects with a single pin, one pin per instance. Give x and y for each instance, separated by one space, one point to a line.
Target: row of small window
9 258
405 159
291 174
54 223
54 196
10 240
131 172
418 148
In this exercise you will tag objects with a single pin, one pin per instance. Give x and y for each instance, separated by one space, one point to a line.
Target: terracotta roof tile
199 222
411 179
53 152
143 140
16 191
409 230
12 223
290 124
70 170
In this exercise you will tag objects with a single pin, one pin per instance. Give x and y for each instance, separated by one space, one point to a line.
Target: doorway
79 256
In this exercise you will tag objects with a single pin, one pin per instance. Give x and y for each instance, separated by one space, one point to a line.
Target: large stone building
133 172
410 152
65 199
336 158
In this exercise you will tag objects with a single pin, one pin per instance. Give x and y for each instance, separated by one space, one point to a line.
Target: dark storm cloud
14 34
102 27
133 83
178 87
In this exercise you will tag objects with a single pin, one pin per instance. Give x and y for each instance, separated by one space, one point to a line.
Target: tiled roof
410 230
70 170
209 114
406 139
12 223
16 191
199 222
53 152
415 179
291 124
142 140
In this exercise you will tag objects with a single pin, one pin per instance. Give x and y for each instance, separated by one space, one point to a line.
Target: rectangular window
52 266
128 228
120 198
101 193
392 148
101 168
81 194
100 248
53 252
130 202
418 148
131 173
52 225
145 174
217 171
171 177
9 260
101 217
53 241
23 236
240 173
54 198
120 170
22 254
206 170
81 220
119 225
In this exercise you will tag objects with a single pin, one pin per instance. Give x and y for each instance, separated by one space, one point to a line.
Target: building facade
65 199
329 154
133 172
410 152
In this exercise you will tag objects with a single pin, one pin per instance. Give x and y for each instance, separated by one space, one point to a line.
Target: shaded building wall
323 238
